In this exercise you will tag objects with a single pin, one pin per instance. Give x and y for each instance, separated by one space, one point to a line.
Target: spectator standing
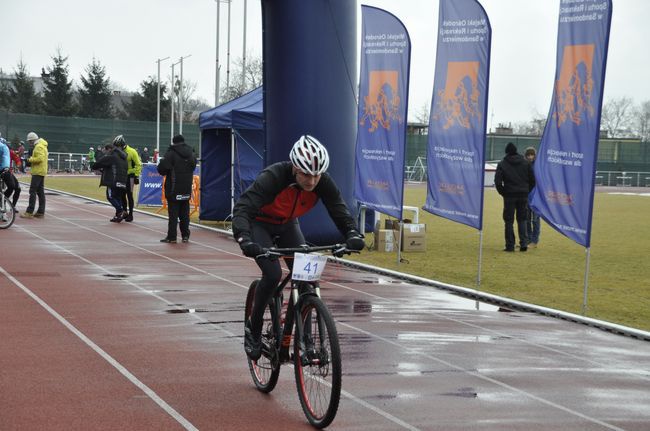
144 156
155 156
12 184
114 176
533 225
514 179
23 156
178 169
38 163
134 169
91 158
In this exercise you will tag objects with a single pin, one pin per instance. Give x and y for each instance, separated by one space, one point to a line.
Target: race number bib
308 267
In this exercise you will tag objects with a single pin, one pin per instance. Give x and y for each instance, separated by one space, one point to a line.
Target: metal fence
622 179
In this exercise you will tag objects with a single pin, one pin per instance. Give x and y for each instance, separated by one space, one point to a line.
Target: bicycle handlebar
337 250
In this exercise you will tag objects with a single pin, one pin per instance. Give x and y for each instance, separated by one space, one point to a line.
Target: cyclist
269 209
13 187
135 168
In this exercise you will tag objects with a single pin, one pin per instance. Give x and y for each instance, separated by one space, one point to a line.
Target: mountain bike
7 213
301 330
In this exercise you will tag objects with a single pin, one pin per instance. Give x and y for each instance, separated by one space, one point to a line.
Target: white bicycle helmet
309 155
119 141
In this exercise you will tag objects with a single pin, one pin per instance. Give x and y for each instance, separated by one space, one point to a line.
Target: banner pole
480 260
584 297
399 244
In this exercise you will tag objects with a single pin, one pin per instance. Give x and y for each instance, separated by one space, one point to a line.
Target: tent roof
245 112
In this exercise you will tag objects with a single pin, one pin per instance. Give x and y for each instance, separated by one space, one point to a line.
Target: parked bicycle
314 348
7 213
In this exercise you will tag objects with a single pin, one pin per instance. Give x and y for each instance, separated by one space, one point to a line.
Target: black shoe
128 217
509 250
252 347
116 219
186 239
168 240
523 248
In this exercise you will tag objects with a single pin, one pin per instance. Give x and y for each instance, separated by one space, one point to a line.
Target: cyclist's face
307 182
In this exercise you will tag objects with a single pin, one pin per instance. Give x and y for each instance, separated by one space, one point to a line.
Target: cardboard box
385 240
414 237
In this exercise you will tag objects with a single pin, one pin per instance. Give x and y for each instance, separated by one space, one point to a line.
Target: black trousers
36 188
127 198
515 208
178 211
285 235
13 187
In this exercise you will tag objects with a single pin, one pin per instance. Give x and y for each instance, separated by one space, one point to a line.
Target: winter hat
511 149
178 139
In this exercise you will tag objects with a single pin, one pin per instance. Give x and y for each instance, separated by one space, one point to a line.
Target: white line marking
108 358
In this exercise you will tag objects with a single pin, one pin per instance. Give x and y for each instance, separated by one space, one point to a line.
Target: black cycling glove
354 241
249 248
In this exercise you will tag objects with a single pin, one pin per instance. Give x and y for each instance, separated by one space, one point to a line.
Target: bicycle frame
293 305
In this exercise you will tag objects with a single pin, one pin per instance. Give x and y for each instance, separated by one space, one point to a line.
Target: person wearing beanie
178 169
514 179
533 225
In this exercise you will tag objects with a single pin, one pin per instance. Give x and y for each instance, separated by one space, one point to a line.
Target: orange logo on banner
456 103
382 105
574 89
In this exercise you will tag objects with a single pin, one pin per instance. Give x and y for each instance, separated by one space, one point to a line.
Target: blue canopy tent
232 152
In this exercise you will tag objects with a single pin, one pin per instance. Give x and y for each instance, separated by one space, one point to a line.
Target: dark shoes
168 240
252 347
186 239
509 250
39 215
523 248
129 218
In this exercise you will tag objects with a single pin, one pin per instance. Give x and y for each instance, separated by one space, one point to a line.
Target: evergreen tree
143 104
95 93
5 96
57 90
23 97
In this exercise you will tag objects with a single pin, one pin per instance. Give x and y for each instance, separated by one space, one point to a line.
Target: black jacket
178 168
514 176
275 197
114 169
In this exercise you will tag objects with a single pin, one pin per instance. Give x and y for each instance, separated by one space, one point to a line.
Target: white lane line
108 358
485 378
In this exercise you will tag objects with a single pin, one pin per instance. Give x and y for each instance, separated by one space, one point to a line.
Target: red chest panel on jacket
290 203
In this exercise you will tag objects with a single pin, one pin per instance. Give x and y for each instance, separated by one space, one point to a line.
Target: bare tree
422 114
641 121
533 127
616 117
252 78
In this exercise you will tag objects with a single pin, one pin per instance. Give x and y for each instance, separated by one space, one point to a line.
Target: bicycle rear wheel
266 370
7 213
318 366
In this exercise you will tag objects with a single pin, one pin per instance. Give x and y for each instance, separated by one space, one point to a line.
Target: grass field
551 275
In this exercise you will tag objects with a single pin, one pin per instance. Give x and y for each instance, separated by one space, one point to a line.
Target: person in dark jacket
514 179
270 208
114 176
178 169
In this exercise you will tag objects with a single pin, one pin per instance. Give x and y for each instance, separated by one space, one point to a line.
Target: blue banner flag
150 192
383 100
457 121
566 162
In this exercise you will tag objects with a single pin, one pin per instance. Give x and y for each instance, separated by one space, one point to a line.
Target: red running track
94 336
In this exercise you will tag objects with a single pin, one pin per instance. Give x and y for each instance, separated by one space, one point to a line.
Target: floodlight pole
158 106
216 75
180 100
228 52
173 92
243 62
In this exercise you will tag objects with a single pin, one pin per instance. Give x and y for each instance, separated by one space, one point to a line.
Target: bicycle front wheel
318 365
266 370
7 213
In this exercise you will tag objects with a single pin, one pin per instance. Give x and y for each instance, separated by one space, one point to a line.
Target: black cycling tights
286 235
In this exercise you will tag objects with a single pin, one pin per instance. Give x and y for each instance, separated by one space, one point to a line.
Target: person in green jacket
38 163
134 169
90 158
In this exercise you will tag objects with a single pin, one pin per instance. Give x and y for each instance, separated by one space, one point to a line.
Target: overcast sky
128 36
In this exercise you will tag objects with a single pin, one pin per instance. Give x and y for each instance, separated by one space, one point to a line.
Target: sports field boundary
510 304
